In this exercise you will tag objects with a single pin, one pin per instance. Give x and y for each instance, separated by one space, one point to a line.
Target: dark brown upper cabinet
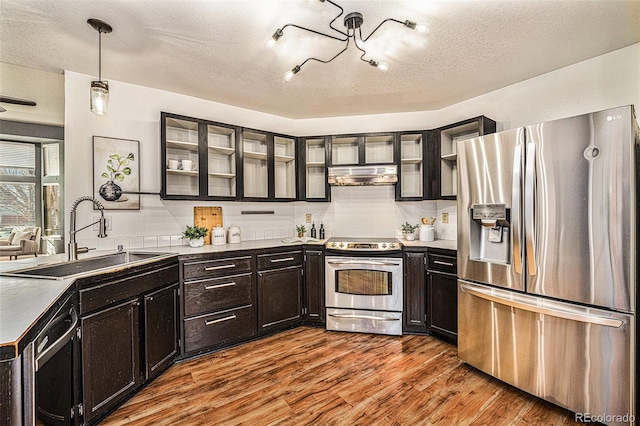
363 149
413 171
199 159
269 166
444 154
206 160
313 157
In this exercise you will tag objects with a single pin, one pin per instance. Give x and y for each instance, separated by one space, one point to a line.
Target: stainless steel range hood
362 175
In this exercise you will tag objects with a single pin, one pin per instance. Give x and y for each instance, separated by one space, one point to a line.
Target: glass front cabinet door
269 166
411 170
180 156
363 149
199 159
222 161
284 179
313 171
255 150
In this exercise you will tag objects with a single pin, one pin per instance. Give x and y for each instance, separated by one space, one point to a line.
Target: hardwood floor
308 376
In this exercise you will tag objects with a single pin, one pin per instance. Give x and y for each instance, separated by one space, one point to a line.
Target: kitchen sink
58 271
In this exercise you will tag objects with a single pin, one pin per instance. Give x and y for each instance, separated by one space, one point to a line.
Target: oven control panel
346 245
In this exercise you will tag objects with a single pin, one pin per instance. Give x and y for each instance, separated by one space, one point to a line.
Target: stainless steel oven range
363 285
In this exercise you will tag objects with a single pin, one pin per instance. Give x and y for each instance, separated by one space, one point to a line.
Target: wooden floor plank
312 376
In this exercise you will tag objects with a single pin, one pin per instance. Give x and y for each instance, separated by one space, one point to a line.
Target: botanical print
116 173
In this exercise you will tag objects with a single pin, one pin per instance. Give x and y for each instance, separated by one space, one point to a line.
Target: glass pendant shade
99 97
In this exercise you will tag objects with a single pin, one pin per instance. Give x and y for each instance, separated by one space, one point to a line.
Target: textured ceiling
216 50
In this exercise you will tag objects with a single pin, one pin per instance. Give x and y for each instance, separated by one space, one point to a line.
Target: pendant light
99 93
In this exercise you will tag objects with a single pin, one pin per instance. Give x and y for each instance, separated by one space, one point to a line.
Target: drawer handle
443 263
213 268
284 259
212 287
211 322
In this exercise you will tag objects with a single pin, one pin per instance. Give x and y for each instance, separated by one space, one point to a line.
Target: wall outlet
445 217
96 226
308 217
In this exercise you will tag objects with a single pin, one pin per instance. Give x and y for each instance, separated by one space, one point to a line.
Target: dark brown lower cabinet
110 357
279 298
218 329
415 292
443 299
160 329
128 333
442 292
314 286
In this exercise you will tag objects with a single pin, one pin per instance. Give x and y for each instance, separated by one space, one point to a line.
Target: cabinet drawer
216 267
437 262
280 260
105 294
217 294
210 330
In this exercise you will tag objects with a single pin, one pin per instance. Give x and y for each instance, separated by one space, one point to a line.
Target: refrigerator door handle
572 316
515 208
529 205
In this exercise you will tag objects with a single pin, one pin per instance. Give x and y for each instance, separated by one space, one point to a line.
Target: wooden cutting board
208 217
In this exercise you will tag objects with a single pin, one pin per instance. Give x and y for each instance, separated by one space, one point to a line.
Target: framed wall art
116 173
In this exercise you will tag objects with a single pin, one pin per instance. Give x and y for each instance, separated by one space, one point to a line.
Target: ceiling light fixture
99 89
353 22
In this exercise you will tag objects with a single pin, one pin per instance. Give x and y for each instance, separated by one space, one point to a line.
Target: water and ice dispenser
489 236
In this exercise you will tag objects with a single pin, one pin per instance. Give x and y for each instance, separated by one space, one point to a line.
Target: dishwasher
49 373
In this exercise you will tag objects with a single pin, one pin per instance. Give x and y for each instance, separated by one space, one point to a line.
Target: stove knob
341 245
384 245
392 246
332 245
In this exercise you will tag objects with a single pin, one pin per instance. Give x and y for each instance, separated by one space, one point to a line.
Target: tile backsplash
353 212
153 241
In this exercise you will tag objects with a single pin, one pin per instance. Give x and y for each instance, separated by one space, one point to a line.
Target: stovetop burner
363 244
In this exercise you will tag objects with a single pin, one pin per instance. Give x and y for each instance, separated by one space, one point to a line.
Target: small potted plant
195 234
409 230
301 230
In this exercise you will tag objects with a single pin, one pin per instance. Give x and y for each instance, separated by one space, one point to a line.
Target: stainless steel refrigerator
548 259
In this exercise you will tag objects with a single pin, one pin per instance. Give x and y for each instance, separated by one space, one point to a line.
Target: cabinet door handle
211 322
212 287
214 268
439 262
284 259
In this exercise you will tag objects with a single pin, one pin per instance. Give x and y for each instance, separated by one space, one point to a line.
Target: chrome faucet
72 252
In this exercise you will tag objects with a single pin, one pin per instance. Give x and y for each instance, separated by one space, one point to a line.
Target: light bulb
99 96
274 38
418 26
289 74
422 27
383 66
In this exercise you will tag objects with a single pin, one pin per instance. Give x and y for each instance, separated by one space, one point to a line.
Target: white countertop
24 300
441 244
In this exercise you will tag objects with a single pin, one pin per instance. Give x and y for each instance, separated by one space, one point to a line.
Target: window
30 186
19 187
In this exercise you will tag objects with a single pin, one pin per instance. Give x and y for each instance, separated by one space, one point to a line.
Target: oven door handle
362 262
369 317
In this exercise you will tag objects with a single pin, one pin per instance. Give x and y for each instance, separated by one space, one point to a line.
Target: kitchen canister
234 234
218 236
427 233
